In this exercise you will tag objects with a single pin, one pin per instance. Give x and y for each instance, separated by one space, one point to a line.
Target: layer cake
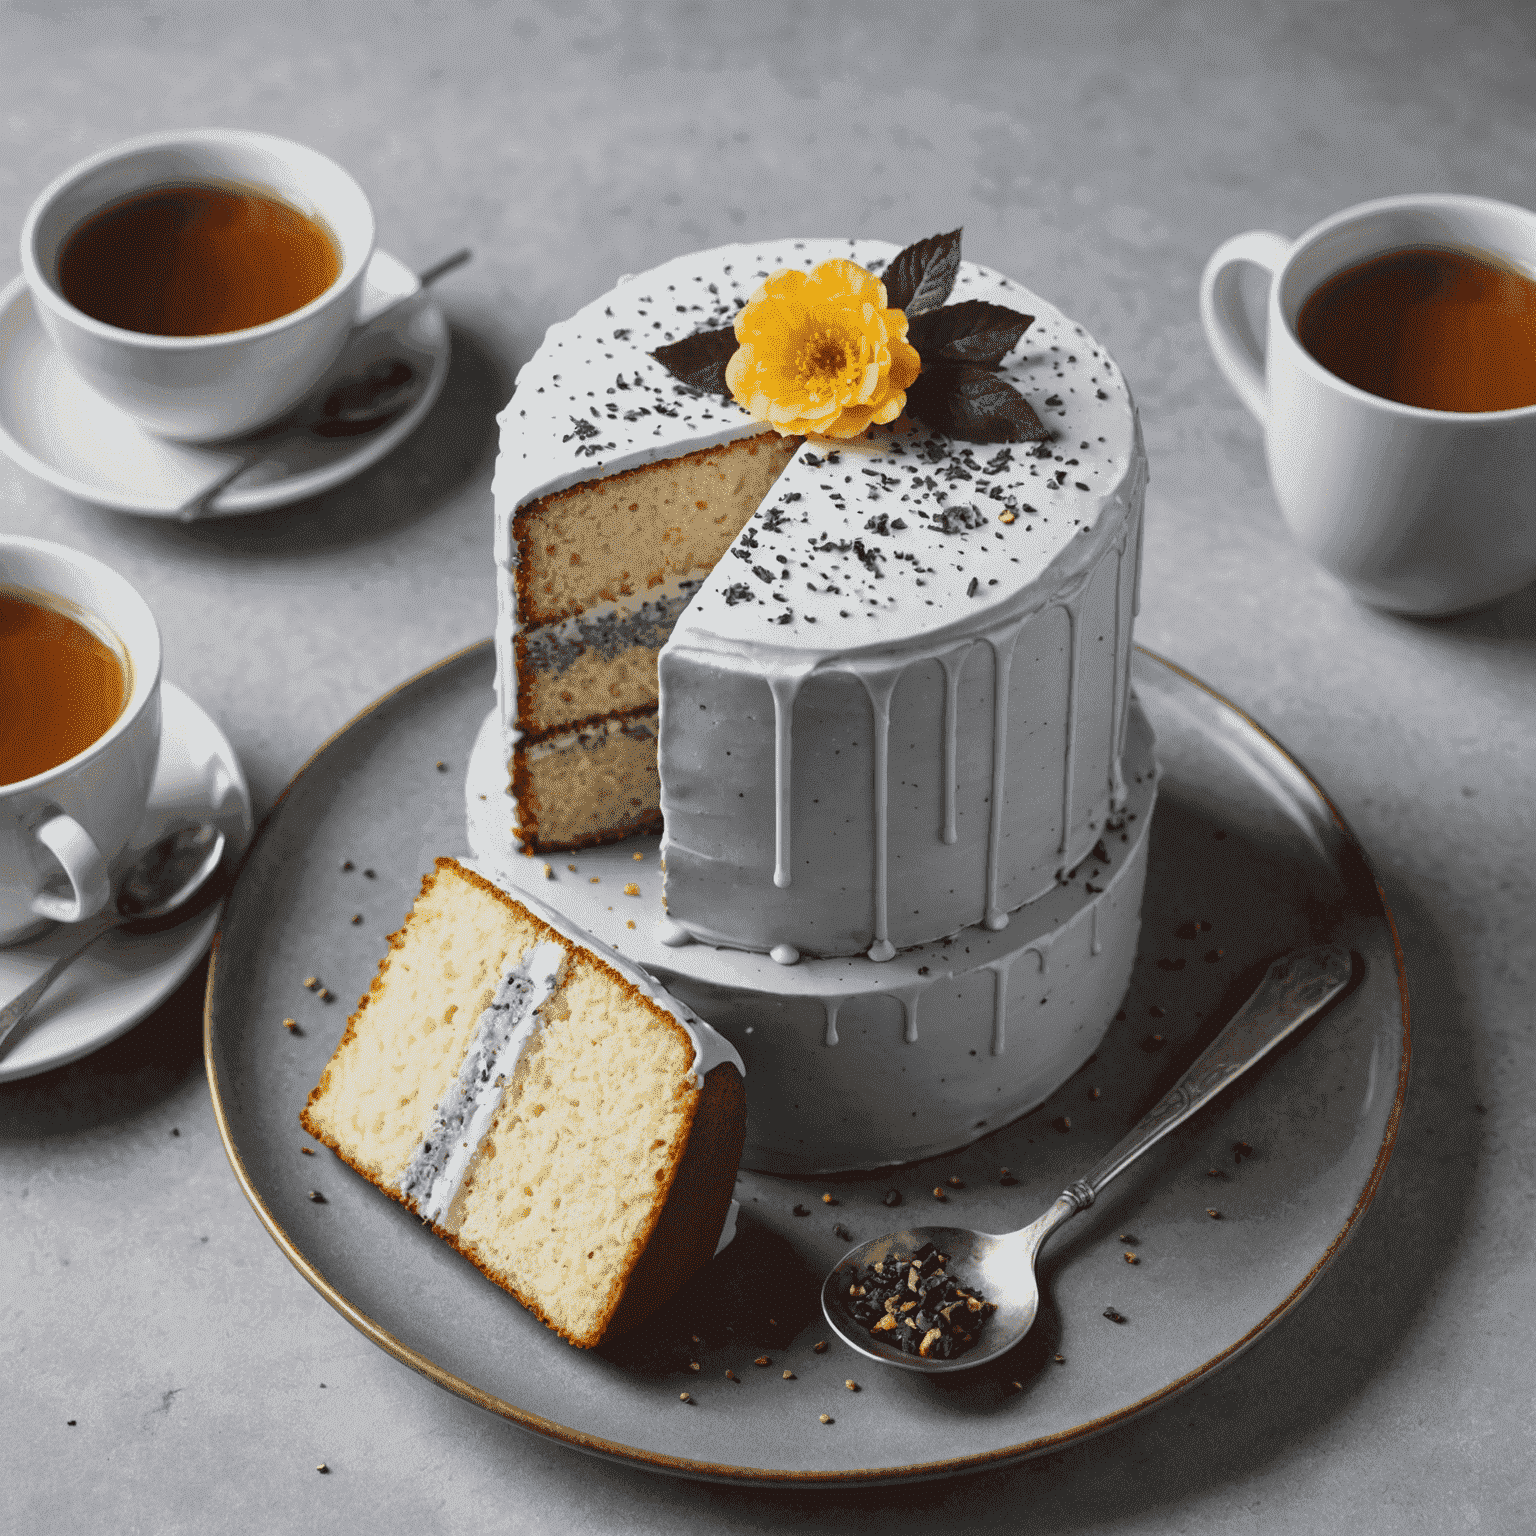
891 674
874 693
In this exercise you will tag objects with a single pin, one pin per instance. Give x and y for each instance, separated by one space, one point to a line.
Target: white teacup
1418 511
202 388
60 830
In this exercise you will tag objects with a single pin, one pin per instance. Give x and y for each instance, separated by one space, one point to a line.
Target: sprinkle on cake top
860 542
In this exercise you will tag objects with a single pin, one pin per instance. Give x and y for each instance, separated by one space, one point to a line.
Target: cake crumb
789 1375
311 982
684 1397
827 1199
321 1467
347 866
826 1418
357 917
594 879
851 1385
631 889
1093 1093
292 1026
1113 1316
317 1197
1131 1258
732 1376
820 1346
1060 1360
1213 1213
693 1365
549 871
442 767
955 1181
571 867
637 856
762 1360
307 1151
629 922
325 995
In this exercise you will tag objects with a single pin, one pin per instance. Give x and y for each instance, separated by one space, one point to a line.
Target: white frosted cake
874 691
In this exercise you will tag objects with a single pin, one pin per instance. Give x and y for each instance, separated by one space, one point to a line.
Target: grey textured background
1097 152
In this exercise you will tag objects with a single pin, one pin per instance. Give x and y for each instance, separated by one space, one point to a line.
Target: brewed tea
196 261
1445 329
61 686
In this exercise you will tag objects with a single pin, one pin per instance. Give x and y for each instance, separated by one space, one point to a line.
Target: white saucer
57 428
121 977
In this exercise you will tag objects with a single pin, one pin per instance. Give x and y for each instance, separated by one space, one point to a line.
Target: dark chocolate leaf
973 404
972 332
920 278
699 360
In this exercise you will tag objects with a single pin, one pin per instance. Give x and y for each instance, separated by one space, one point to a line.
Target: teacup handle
1239 353
83 865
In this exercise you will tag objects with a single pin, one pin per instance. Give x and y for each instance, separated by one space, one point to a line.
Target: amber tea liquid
61 686
1442 328
196 261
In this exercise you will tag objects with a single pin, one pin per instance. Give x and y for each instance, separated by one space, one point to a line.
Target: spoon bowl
164 879
1000 1268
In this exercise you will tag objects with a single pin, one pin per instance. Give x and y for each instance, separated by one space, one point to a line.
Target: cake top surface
861 542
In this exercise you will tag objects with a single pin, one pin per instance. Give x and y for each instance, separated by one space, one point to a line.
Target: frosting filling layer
435 1172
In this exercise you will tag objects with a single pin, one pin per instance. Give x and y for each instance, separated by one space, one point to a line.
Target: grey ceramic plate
1247 859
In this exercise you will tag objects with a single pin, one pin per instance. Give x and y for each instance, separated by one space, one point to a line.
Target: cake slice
572 1130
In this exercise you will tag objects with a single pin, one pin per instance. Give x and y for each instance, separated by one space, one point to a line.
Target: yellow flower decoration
819 354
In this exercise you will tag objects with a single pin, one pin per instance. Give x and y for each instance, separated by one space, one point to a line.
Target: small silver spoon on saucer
355 405
1001 1267
162 882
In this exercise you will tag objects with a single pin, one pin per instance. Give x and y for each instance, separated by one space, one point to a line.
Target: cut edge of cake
688 542
681 1224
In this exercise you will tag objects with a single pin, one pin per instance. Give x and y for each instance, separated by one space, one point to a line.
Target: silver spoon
1002 1267
358 404
163 880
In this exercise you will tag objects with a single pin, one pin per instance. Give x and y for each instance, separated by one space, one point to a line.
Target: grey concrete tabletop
160 1361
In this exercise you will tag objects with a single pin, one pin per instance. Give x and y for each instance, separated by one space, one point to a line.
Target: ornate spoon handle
1294 988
